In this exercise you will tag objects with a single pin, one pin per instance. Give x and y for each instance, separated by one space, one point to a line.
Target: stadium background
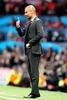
53 62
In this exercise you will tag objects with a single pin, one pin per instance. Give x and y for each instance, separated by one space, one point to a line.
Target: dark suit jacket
35 34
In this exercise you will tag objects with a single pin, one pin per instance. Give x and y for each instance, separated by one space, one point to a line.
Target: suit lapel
33 22
30 25
27 28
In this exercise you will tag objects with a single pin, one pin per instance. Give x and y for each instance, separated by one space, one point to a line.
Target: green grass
17 93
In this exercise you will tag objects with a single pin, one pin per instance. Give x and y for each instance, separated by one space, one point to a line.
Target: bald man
33 32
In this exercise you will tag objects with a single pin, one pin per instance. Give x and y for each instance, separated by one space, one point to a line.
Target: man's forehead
27 8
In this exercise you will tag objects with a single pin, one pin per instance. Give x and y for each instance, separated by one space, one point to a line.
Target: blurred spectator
10 35
12 22
48 22
2 37
9 7
51 6
57 23
48 36
14 77
52 80
44 8
62 8
49 53
58 37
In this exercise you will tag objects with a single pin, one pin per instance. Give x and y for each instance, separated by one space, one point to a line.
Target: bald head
31 8
30 11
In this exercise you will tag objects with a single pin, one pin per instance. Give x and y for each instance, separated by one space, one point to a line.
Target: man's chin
28 18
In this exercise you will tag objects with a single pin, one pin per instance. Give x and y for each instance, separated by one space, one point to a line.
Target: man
33 33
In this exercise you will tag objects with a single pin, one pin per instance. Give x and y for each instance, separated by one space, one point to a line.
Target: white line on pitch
8 98
9 94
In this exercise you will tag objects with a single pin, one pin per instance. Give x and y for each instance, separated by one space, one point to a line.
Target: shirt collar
33 18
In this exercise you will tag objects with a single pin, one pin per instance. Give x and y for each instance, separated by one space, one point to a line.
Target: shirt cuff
18 26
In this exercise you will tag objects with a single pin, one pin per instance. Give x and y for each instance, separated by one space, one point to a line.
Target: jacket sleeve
20 31
39 33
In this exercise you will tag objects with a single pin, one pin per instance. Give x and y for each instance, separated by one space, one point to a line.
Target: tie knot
30 22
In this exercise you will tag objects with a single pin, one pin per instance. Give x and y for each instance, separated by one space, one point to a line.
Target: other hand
27 45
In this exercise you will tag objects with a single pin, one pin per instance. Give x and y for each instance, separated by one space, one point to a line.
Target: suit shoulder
38 19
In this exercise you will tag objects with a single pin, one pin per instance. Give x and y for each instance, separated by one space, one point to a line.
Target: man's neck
33 18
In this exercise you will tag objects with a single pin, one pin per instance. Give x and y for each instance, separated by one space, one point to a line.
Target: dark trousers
33 63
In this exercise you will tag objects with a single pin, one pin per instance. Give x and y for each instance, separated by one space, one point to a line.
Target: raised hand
18 22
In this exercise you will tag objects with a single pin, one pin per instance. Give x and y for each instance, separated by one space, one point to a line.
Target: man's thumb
18 19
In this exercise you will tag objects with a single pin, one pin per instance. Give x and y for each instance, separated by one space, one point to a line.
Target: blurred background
53 61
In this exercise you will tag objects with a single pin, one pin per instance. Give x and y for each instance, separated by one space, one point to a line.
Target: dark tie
29 26
27 35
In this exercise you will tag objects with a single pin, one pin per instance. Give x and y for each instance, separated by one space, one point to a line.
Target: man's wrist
18 26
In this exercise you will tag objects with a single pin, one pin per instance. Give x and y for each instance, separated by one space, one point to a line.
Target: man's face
27 13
